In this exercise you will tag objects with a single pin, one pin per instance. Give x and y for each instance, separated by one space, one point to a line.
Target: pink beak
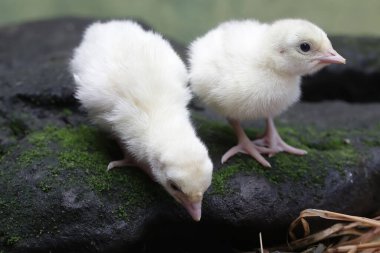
194 209
332 57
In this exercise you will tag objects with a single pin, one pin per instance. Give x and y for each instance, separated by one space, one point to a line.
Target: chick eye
305 47
174 187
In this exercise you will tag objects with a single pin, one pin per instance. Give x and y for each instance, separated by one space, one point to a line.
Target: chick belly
250 107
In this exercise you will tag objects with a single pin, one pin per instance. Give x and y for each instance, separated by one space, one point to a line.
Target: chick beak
194 209
332 57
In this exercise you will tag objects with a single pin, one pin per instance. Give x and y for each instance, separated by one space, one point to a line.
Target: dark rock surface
56 195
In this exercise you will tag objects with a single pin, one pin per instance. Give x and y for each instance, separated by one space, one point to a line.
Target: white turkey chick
134 85
247 70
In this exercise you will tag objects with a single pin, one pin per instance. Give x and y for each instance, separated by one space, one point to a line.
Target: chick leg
273 141
129 161
126 161
120 163
245 146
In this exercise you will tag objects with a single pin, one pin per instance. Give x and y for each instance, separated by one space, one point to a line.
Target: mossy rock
339 150
57 177
58 174
340 172
56 195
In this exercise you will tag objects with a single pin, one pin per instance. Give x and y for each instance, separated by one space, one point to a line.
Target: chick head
299 47
186 177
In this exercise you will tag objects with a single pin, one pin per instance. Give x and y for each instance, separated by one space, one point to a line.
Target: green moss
122 213
326 150
44 186
84 149
371 137
74 148
221 176
70 156
100 183
18 127
38 148
41 138
372 142
214 134
67 112
12 240
79 155
32 155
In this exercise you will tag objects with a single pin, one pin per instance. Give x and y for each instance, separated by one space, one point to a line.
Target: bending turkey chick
247 70
133 84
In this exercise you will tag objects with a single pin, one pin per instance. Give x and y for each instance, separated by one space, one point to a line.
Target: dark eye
174 187
305 47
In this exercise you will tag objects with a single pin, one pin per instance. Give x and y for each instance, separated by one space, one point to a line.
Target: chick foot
120 163
275 143
245 146
126 161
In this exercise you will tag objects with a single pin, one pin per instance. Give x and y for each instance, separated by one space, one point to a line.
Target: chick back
231 72
125 74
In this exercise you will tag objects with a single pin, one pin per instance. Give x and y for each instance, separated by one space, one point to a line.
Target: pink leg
120 163
126 161
273 141
129 161
245 146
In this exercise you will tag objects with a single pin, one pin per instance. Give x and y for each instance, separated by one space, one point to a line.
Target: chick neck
270 64
171 135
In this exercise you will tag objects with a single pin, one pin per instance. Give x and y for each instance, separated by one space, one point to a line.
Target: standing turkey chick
133 84
247 70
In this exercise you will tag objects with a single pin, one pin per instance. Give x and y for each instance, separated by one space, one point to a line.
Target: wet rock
340 172
356 81
56 195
